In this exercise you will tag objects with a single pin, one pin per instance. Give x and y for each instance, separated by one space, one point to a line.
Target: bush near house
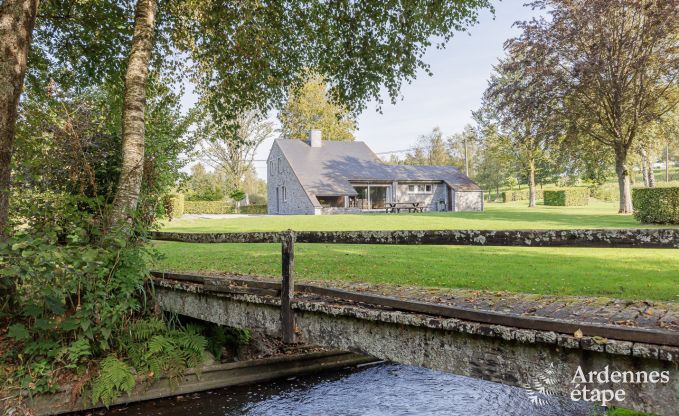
656 205
567 197
253 209
520 195
220 207
207 207
174 205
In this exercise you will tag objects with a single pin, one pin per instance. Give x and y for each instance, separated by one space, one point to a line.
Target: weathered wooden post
288 286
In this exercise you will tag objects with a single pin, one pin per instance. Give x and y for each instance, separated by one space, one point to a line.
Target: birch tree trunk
532 193
17 19
134 105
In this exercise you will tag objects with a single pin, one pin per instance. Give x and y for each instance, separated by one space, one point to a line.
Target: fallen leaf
578 334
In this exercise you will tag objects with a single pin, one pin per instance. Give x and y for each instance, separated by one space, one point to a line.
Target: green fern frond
115 377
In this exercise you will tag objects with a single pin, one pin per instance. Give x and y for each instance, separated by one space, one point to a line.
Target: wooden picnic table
398 206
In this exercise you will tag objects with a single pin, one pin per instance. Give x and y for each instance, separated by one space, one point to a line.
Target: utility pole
466 160
667 162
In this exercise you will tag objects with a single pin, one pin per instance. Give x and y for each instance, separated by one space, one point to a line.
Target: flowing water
385 389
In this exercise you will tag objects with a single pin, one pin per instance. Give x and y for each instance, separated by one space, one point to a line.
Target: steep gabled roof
329 169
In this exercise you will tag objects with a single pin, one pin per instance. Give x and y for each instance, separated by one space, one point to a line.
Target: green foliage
220 207
174 205
567 197
363 49
608 192
237 195
253 209
656 205
205 186
156 350
115 377
220 337
520 195
207 207
309 108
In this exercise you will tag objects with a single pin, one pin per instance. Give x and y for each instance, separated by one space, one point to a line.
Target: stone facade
287 195
280 175
434 201
468 201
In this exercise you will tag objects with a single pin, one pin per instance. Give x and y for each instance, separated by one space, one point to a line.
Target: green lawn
623 273
497 216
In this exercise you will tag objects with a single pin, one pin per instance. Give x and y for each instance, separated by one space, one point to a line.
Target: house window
284 193
271 167
280 167
420 189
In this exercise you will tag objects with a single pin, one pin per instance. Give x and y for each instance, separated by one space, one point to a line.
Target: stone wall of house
468 201
297 201
429 200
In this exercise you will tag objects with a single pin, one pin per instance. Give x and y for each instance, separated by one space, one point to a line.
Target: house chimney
315 138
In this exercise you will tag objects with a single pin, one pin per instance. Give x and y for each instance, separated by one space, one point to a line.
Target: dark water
384 389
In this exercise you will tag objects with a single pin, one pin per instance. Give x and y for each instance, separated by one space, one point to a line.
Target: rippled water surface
384 389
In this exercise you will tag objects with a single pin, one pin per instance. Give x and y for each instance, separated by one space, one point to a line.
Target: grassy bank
622 273
514 215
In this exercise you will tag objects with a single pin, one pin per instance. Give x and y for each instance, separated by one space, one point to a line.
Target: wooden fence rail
619 238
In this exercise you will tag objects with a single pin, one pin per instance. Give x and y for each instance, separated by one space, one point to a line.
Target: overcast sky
445 99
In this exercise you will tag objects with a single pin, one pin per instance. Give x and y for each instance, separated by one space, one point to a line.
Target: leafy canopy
309 108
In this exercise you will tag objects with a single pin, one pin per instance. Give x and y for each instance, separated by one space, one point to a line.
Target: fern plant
115 377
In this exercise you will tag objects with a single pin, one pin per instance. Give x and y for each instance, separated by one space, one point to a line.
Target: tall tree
430 149
523 102
17 19
248 54
464 149
231 152
134 106
620 62
309 107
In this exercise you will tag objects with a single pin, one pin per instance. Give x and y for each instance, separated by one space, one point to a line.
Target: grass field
622 273
496 216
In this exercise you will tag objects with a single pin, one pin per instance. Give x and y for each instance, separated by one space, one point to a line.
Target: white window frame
280 166
426 188
284 193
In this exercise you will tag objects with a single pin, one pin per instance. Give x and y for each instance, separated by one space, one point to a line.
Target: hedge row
567 197
522 195
207 207
656 205
220 207
174 205
609 192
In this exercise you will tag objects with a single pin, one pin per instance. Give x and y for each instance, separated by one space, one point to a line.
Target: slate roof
328 170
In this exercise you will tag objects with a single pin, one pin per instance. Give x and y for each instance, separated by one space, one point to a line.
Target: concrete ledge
213 377
491 352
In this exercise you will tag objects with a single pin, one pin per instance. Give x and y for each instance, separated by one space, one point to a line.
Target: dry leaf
578 334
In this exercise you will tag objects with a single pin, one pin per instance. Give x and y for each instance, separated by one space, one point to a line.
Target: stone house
323 177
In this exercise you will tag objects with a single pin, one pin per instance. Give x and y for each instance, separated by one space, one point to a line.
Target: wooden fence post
288 286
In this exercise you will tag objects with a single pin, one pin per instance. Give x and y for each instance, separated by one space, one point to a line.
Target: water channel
385 389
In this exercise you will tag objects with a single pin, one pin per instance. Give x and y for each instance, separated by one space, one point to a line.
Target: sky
444 100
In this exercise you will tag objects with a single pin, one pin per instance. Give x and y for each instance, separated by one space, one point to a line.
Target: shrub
522 195
656 205
607 192
567 197
220 207
253 209
207 207
174 205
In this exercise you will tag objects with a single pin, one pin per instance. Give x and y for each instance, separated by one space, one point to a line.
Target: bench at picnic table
398 206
